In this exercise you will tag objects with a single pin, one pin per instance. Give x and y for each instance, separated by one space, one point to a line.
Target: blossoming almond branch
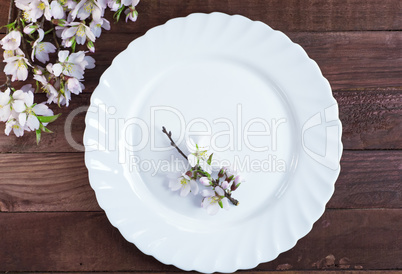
217 191
41 29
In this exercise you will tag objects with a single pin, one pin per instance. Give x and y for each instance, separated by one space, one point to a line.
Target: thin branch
55 39
10 13
172 143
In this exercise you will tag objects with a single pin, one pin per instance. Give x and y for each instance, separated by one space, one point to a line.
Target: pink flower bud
205 181
239 179
225 185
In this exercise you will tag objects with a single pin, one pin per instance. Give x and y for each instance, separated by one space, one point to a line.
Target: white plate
196 70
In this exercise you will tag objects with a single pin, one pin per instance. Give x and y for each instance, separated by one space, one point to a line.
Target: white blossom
13 124
5 106
199 154
79 31
72 65
40 49
17 67
11 41
85 8
28 118
34 9
214 200
185 183
74 85
96 26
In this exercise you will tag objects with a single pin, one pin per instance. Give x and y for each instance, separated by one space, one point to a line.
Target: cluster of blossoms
43 30
216 190
20 113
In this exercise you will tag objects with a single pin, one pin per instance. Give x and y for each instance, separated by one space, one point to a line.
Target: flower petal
63 54
32 122
192 160
225 203
185 190
57 69
18 105
220 191
213 208
174 184
194 187
22 118
42 109
207 193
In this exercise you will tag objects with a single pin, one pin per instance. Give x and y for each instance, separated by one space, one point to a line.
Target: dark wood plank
288 15
367 180
347 59
59 182
45 182
370 118
292 15
343 271
340 239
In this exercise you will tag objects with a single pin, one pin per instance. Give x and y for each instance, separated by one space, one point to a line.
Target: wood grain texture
279 270
288 15
45 182
370 120
347 59
292 15
59 182
78 241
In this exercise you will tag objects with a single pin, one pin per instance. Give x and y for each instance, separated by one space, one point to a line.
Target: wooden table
50 220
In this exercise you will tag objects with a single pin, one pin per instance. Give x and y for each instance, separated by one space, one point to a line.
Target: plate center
233 107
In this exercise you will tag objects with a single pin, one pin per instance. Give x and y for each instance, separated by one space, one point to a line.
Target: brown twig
55 39
10 13
169 135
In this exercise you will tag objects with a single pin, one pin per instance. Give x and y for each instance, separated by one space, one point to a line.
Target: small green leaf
210 159
117 14
196 146
48 31
220 204
48 119
73 44
231 178
38 135
10 26
44 129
